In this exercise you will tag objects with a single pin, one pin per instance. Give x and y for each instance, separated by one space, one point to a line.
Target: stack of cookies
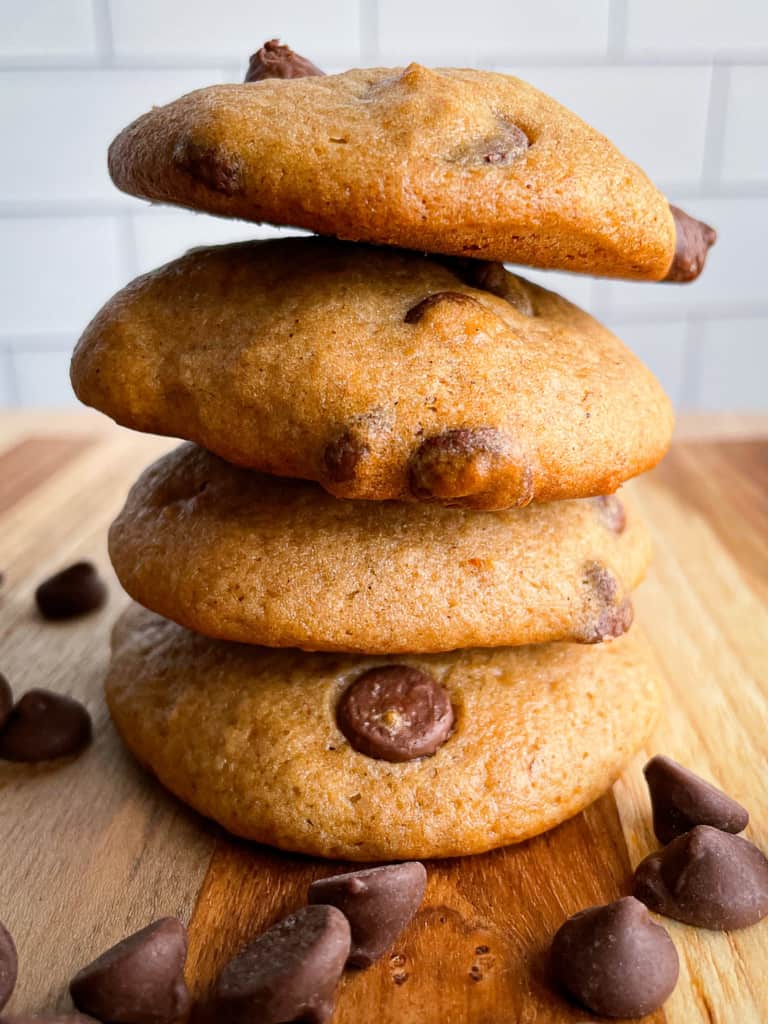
374 591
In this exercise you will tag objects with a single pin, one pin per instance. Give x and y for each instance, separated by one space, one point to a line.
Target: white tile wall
682 87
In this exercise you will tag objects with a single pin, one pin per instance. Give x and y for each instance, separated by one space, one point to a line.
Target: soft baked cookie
238 555
371 758
470 163
379 373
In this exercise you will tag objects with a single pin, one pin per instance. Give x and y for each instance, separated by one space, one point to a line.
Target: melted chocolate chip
342 457
8 965
289 973
615 960
707 878
276 61
214 168
415 313
395 713
608 618
459 466
500 149
682 800
74 591
138 981
377 902
612 512
6 700
43 726
491 277
693 240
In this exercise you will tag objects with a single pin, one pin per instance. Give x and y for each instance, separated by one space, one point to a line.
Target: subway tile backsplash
680 87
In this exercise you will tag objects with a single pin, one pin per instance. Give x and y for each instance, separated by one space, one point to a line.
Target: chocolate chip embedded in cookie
612 512
693 240
472 467
213 168
276 61
443 160
608 614
337 362
395 713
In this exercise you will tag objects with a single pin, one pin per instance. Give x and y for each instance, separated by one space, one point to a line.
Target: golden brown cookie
242 556
379 373
448 160
523 737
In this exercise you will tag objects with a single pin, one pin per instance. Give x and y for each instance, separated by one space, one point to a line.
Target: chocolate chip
681 799
8 965
474 467
343 455
377 902
395 713
47 1018
6 700
693 240
500 148
276 61
289 973
615 960
415 313
491 277
138 981
217 170
611 511
707 878
43 726
74 591
608 618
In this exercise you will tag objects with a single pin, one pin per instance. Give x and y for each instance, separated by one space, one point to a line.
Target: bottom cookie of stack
250 737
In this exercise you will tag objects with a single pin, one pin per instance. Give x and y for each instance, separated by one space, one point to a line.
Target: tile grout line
618 18
102 20
717 118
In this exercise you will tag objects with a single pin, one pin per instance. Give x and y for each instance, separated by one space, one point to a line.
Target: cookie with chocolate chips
379 757
380 374
259 559
456 161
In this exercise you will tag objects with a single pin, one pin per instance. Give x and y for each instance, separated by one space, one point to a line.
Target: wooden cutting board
93 849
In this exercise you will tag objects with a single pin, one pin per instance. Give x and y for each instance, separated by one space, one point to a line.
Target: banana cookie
372 758
241 556
377 372
469 163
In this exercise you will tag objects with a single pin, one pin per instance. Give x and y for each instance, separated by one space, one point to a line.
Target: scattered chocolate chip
501 148
6 700
48 1018
43 726
138 981
342 456
214 168
459 467
615 960
612 512
693 239
395 713
681 799
416 313
377 902
289 973
608 618
74 591
276 61
8 965
707 878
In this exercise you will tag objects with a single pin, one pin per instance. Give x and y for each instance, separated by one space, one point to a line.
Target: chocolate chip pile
614 959
289 973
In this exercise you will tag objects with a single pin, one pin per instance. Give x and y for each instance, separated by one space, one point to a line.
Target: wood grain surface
93 849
